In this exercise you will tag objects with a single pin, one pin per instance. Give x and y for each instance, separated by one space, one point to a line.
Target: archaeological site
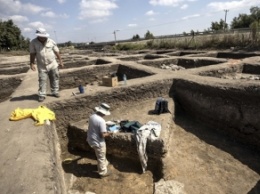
209 141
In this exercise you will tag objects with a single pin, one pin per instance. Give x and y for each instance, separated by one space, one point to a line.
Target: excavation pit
83 62
8 86
76 63
14 70
154 56
121 152
242 72
236 55
138 57
131 58
181 63
184 53
132 103
101 62
94 74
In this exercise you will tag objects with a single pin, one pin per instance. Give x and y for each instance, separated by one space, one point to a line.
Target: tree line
241 21
11 37
251 20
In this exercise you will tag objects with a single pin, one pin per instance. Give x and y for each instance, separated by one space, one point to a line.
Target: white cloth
150 130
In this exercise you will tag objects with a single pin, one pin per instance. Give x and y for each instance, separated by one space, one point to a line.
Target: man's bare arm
32 61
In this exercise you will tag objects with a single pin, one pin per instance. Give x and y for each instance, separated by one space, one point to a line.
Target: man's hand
33 66
61 65
106 134
111 134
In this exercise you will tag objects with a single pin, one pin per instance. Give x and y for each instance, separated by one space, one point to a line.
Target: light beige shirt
45 56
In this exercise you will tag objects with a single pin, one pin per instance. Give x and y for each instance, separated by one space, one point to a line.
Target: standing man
45 51
97 131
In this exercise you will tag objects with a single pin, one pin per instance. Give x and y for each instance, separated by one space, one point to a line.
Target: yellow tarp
39 114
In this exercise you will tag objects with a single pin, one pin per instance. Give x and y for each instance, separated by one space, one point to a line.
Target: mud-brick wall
233 109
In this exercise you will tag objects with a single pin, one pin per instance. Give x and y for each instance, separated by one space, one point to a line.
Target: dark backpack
161 106
130 126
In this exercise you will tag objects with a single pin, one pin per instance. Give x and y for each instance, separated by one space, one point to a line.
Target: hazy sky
96 20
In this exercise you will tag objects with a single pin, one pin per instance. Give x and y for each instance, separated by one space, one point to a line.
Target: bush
129 46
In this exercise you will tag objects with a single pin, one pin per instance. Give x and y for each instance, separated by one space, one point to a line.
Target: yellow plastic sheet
39 114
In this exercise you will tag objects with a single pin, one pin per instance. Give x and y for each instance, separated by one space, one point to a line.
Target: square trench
136 103
121 153
176 64
93 74
11 76
240 71
189 153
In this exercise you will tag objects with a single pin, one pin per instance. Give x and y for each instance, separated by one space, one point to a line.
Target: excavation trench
203 102
186 151
135 103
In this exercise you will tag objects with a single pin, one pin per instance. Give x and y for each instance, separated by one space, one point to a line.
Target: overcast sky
96 20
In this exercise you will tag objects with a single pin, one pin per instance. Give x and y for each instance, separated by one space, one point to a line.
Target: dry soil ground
204 160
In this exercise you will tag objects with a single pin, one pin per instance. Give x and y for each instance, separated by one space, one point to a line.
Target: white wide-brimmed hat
41 32
103 108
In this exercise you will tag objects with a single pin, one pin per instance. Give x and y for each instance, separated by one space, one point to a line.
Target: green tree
242 21
148 35
69 43
215 26
192 32
136 37
10 36
255 13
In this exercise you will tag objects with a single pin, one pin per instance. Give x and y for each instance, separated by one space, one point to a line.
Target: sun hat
103 108
41 32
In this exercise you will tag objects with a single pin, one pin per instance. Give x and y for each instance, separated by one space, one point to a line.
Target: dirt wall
222 71
187 63
14 70
232 109
121 145
92 74
8 86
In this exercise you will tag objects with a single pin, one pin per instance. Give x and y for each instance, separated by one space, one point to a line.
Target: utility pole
115 34
225 10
